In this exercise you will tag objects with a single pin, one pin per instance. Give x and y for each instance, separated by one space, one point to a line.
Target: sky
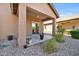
67 9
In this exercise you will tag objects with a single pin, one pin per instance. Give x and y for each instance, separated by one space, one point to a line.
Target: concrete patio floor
35 39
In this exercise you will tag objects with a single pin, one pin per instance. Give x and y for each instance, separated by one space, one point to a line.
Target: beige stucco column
53 27
36 27
41 27
29 28
22 25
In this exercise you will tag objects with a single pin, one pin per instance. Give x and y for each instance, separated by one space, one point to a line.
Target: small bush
60 29
59 37
50 46
60 34
75 34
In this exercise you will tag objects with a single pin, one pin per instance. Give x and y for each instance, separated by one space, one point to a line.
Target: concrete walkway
36 39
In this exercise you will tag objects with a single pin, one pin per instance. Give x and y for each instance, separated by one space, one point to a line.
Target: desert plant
59 37
60 34
50 46
60 29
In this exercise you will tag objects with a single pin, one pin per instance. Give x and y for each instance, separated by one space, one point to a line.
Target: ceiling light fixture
37 16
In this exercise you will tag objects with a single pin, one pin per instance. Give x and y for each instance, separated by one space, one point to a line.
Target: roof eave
54 10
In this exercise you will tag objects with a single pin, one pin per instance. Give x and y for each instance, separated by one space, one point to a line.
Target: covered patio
27 13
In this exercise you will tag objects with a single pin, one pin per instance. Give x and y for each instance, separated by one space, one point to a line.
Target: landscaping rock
69 48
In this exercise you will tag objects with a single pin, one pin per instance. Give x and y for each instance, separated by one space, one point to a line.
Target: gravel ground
68 48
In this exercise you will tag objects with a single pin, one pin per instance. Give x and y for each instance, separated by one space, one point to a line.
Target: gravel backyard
68 48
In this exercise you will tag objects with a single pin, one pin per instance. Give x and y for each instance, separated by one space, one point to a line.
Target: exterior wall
69 25
48 29
42 7
29 27
8 21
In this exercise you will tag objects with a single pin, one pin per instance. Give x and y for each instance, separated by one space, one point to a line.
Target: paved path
36 39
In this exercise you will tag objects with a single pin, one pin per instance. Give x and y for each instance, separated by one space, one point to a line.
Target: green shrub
60 29
60 34
75 34
50 46
59 37
33 28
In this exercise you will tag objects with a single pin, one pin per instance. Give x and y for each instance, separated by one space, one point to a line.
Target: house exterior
16 19
69 23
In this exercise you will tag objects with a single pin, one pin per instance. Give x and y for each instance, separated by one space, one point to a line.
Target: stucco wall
48 29
29 27
70 24
8 21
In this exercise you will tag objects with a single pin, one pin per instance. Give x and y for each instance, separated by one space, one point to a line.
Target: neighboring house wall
8 21
73 24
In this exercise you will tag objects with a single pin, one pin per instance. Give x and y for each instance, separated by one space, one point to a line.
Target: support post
41 27
36 28
53 27
22 25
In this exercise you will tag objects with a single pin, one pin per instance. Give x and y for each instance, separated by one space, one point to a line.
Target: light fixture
37 16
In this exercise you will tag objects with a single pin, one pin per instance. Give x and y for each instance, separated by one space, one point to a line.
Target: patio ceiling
35 15
31 13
